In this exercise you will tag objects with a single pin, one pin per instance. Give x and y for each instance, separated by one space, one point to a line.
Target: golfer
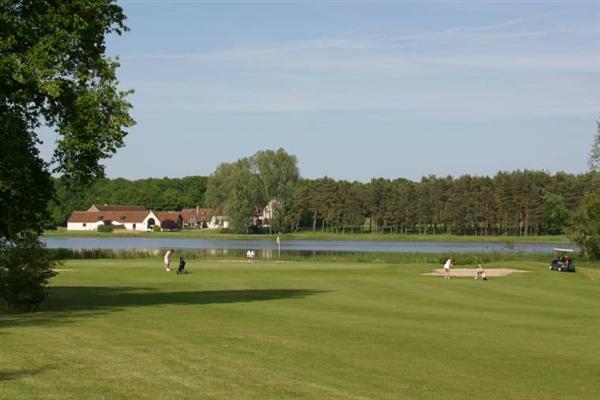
480 273
449 263
168 257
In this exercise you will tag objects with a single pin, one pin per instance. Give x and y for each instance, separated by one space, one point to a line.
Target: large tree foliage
153 193
585 229
234 189
278 174
53 73
244 187
556 215
594 156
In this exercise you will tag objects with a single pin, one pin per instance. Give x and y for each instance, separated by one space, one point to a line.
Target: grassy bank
126 329
319 257
212 234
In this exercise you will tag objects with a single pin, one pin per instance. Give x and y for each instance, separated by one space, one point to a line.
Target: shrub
105 228
156 228
25 267
169 225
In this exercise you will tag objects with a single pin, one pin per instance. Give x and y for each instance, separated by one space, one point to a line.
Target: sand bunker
471 272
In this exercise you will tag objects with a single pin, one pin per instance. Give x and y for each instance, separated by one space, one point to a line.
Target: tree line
153 193
509 203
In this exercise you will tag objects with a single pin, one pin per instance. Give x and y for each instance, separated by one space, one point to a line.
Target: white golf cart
563 262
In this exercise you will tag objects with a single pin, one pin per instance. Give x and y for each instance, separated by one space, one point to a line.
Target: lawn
126 329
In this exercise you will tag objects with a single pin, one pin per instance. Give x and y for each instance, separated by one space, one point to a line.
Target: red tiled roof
83 216
165 215
201 214
116 216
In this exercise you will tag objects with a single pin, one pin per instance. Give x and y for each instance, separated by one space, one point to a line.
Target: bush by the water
105 228
169 225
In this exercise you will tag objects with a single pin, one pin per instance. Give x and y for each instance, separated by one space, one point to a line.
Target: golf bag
181 269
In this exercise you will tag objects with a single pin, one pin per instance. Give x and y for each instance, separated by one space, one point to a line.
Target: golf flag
278 247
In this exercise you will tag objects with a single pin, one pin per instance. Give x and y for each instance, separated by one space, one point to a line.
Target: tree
594 156
279 176
53 72
555 214
235 188
585 227
169 225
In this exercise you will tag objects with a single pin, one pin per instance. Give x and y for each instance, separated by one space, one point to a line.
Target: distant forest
512 203
154 194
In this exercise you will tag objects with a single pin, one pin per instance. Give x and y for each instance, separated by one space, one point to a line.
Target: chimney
197 209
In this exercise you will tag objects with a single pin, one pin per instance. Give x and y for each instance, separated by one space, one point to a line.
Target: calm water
299 245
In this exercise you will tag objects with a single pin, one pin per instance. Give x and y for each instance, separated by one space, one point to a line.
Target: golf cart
562 261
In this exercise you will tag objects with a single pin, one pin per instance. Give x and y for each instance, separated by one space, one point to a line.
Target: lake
299 246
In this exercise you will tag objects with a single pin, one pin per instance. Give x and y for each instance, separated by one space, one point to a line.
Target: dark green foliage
25 183
510 203
169 225
278 175
105 228
555 216
152 193
53 72
594 156
53 68
585 229
25 267
235 189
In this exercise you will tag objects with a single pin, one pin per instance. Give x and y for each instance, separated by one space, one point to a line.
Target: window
133 226
84 224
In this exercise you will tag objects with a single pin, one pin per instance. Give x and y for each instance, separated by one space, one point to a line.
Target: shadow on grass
66 303
20 374
66 298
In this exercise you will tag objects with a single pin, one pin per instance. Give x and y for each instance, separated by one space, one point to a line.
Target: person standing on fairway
480 273
168 256
449 263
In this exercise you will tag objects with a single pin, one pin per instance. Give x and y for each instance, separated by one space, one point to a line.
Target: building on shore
137 218
204 218
130 220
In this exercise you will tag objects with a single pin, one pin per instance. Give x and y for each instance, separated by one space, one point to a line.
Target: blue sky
360 89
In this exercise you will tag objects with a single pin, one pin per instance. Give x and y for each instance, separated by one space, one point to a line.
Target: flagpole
278 247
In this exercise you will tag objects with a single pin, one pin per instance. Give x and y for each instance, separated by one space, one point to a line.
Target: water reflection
268 249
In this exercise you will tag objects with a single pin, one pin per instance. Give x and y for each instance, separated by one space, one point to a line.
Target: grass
306 235
318 256
126 329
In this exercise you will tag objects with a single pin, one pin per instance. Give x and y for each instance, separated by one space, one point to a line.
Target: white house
265 216
130 220
83 221
218 222
204 218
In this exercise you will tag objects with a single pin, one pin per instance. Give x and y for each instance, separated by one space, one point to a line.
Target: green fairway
126 329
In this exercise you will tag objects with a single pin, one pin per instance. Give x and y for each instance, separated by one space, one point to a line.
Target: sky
360 89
